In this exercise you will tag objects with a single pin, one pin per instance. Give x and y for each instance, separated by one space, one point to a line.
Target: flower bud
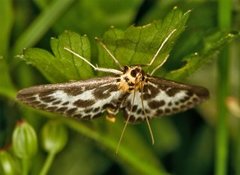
24 140
7 164
54 136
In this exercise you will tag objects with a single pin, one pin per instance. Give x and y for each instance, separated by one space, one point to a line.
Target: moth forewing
80 99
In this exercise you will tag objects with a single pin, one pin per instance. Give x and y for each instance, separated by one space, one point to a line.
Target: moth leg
111 114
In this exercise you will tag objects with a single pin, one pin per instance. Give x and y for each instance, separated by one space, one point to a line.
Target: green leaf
137 45
212 45
62 66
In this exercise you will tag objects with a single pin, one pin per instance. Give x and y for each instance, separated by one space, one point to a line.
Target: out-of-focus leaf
80 154
94 17
40 25
6 86
132 149
201 149
211 47
166 135
6 18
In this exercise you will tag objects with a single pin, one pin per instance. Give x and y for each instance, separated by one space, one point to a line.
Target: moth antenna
161 46
126 123
160 65
147 120
109 52
96 68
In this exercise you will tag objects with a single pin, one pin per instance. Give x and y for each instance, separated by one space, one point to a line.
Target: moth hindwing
140 95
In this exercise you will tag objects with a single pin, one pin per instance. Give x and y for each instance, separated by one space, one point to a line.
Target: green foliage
6 88
195 43
44 21
6 19
212 45
137 45
58 67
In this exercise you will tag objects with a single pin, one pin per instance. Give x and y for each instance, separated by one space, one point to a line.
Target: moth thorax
133 78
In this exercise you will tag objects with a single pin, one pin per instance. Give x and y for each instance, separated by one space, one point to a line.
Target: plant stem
25 166
237 146
222 130
224 19
47 163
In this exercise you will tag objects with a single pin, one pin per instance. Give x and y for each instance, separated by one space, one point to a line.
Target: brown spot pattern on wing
171 91
46 93
83 103
47 99
149 91
103 92
71 111
156 104
73 91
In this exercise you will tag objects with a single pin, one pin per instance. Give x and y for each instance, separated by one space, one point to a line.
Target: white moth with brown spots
140 95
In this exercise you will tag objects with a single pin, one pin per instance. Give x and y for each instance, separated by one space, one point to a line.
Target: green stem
47 163
224 18
222 130
25 166
237 147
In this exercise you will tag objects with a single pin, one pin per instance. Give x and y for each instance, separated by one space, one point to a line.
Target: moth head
132 78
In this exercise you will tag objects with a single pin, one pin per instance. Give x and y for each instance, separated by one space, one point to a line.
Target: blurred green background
204 140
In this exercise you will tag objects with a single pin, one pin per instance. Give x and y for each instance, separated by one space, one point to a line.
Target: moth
140 95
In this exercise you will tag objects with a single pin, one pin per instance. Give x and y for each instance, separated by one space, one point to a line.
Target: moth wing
81 99
163 97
